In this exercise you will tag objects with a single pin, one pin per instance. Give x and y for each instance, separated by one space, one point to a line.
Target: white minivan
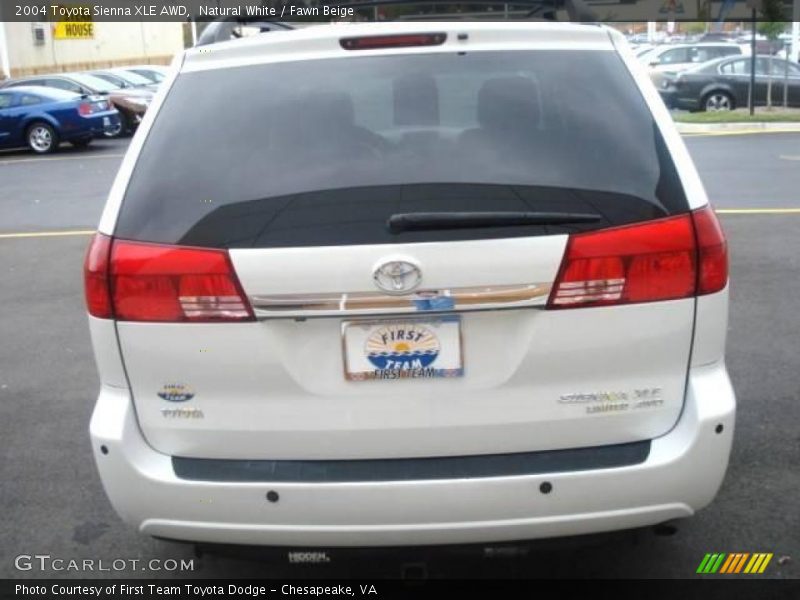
408 283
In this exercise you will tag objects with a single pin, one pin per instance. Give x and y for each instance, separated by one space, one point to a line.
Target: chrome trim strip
350 304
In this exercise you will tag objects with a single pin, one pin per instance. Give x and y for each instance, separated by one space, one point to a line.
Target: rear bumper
681 474
94 125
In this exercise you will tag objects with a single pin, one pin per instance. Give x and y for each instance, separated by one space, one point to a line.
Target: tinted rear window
323 152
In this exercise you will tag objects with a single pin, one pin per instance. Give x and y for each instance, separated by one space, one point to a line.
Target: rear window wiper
422 221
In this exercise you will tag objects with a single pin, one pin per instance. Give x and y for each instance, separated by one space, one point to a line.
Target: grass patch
742 115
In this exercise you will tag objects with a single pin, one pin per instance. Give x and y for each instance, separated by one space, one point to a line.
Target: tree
771 28
704 10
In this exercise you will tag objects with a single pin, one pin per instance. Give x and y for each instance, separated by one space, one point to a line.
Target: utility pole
754 6
751 93
795 47
5 59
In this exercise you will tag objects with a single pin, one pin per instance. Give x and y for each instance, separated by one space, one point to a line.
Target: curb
737 128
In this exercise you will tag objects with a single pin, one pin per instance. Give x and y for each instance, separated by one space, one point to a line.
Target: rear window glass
323 152
94 83
132 78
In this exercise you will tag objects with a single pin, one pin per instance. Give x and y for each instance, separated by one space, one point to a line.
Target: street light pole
795 32
751 93
5 59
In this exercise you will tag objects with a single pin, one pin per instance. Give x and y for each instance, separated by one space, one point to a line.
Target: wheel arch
718 89
31 119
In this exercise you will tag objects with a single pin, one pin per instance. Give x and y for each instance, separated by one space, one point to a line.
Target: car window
132 78
154 76
27 82
763 67
6 100
736 67
703 54
779 68
64 84
29 100
117 82
94 83
323 152
674 56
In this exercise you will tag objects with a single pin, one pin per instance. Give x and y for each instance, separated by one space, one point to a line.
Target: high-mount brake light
668 259
378 42
154 282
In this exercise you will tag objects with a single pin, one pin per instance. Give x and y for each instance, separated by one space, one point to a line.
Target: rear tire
116 131
718 101
122 128
128 124
41 138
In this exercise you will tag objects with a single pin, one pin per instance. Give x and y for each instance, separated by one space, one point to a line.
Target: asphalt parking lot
52 497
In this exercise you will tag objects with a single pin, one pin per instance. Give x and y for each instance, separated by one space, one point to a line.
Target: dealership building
30 48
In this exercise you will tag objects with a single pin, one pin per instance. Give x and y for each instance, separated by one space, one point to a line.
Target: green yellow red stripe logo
734 563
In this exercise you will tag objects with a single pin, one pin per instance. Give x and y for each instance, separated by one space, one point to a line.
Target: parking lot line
758 211
35 234
735 132
15 161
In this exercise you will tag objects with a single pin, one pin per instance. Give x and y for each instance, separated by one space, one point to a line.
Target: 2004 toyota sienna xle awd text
389 284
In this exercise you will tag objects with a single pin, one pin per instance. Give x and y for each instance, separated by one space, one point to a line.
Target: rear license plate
402 349
106 122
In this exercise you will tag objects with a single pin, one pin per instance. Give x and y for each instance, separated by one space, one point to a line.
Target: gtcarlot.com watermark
46 562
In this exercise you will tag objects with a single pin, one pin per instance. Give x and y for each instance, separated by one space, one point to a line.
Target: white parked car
408 283
678 57
153 73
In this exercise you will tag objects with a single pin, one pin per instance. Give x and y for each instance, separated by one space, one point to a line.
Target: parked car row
675 58
724 84
41 118
743 39
41 111
715 75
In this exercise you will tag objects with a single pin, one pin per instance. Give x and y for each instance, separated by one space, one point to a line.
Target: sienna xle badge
419 283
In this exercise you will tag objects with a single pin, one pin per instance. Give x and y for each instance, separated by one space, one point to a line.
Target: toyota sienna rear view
408 283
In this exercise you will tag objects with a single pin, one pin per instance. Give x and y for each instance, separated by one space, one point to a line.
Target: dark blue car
41 118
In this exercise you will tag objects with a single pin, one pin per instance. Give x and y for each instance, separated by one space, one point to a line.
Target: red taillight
95 277
712 251
393 41
153 282
653 261
84 109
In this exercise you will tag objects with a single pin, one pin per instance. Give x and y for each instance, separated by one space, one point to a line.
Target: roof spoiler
577 10
221 30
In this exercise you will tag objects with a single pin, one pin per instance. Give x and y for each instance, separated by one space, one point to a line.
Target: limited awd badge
176 392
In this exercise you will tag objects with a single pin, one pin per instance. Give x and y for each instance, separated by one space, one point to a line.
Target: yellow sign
73 30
